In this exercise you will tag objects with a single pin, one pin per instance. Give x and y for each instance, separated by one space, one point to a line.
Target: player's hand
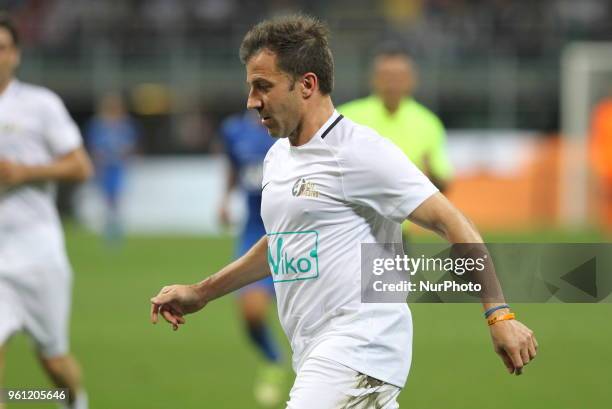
174 302
12 174
514 343
224 214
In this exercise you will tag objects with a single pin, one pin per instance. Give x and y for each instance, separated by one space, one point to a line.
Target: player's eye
264 88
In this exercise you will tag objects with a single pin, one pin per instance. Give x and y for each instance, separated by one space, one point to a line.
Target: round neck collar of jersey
323 130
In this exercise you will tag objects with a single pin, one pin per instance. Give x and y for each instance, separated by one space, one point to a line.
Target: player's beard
288 131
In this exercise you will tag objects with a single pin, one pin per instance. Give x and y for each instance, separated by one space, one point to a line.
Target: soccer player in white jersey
39 144
328 186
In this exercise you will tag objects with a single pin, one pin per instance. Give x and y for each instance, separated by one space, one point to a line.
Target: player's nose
253 102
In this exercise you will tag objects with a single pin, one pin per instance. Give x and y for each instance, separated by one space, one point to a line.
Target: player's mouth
266 121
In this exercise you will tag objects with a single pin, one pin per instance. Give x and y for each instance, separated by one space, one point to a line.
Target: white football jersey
35 129
346 186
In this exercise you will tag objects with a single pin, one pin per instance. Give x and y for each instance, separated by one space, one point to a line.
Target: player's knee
254 307
254 316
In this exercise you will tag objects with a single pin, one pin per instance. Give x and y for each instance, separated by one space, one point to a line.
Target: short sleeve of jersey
61 133
377 174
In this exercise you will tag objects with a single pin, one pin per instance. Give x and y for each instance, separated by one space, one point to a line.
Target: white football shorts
324 384
37 301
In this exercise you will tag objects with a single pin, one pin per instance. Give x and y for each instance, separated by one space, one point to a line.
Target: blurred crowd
520 27
484 63
453 27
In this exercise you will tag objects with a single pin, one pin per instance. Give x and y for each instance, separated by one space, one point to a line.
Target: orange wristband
497 318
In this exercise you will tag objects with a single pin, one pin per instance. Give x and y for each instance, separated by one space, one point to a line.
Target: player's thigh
326 384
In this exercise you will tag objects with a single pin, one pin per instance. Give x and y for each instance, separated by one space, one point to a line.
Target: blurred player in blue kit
246 144
111 136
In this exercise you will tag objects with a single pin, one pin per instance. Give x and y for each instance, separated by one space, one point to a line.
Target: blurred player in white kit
39 144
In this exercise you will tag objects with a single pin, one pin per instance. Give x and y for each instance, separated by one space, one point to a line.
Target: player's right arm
175 301
74 166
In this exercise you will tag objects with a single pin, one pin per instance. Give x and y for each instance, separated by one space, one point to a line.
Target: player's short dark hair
7 24
300 43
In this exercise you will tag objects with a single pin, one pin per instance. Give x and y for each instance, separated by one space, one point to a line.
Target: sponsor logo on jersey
302 187
287 265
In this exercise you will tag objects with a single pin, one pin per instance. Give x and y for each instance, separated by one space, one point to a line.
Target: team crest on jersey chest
304 188
8 127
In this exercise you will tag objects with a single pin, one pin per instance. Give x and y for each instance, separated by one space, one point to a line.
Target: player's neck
392 107
313 120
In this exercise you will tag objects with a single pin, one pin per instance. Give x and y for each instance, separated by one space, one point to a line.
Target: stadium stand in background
486 65
512 45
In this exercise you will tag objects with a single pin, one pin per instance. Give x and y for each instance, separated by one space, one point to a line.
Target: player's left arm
73 166
512 340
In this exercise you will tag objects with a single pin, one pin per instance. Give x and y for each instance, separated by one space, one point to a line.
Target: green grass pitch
129 363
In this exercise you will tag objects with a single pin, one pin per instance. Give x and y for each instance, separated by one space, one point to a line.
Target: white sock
80 402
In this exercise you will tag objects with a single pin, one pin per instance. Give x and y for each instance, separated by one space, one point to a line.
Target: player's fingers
532 350
535 342
507 361
178 315
167 315
154 313
525 355
532 346
517 360
178 321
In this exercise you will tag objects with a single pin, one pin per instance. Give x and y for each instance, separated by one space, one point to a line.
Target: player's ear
309 84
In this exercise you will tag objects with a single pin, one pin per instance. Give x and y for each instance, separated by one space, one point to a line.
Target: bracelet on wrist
491 310
498 318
